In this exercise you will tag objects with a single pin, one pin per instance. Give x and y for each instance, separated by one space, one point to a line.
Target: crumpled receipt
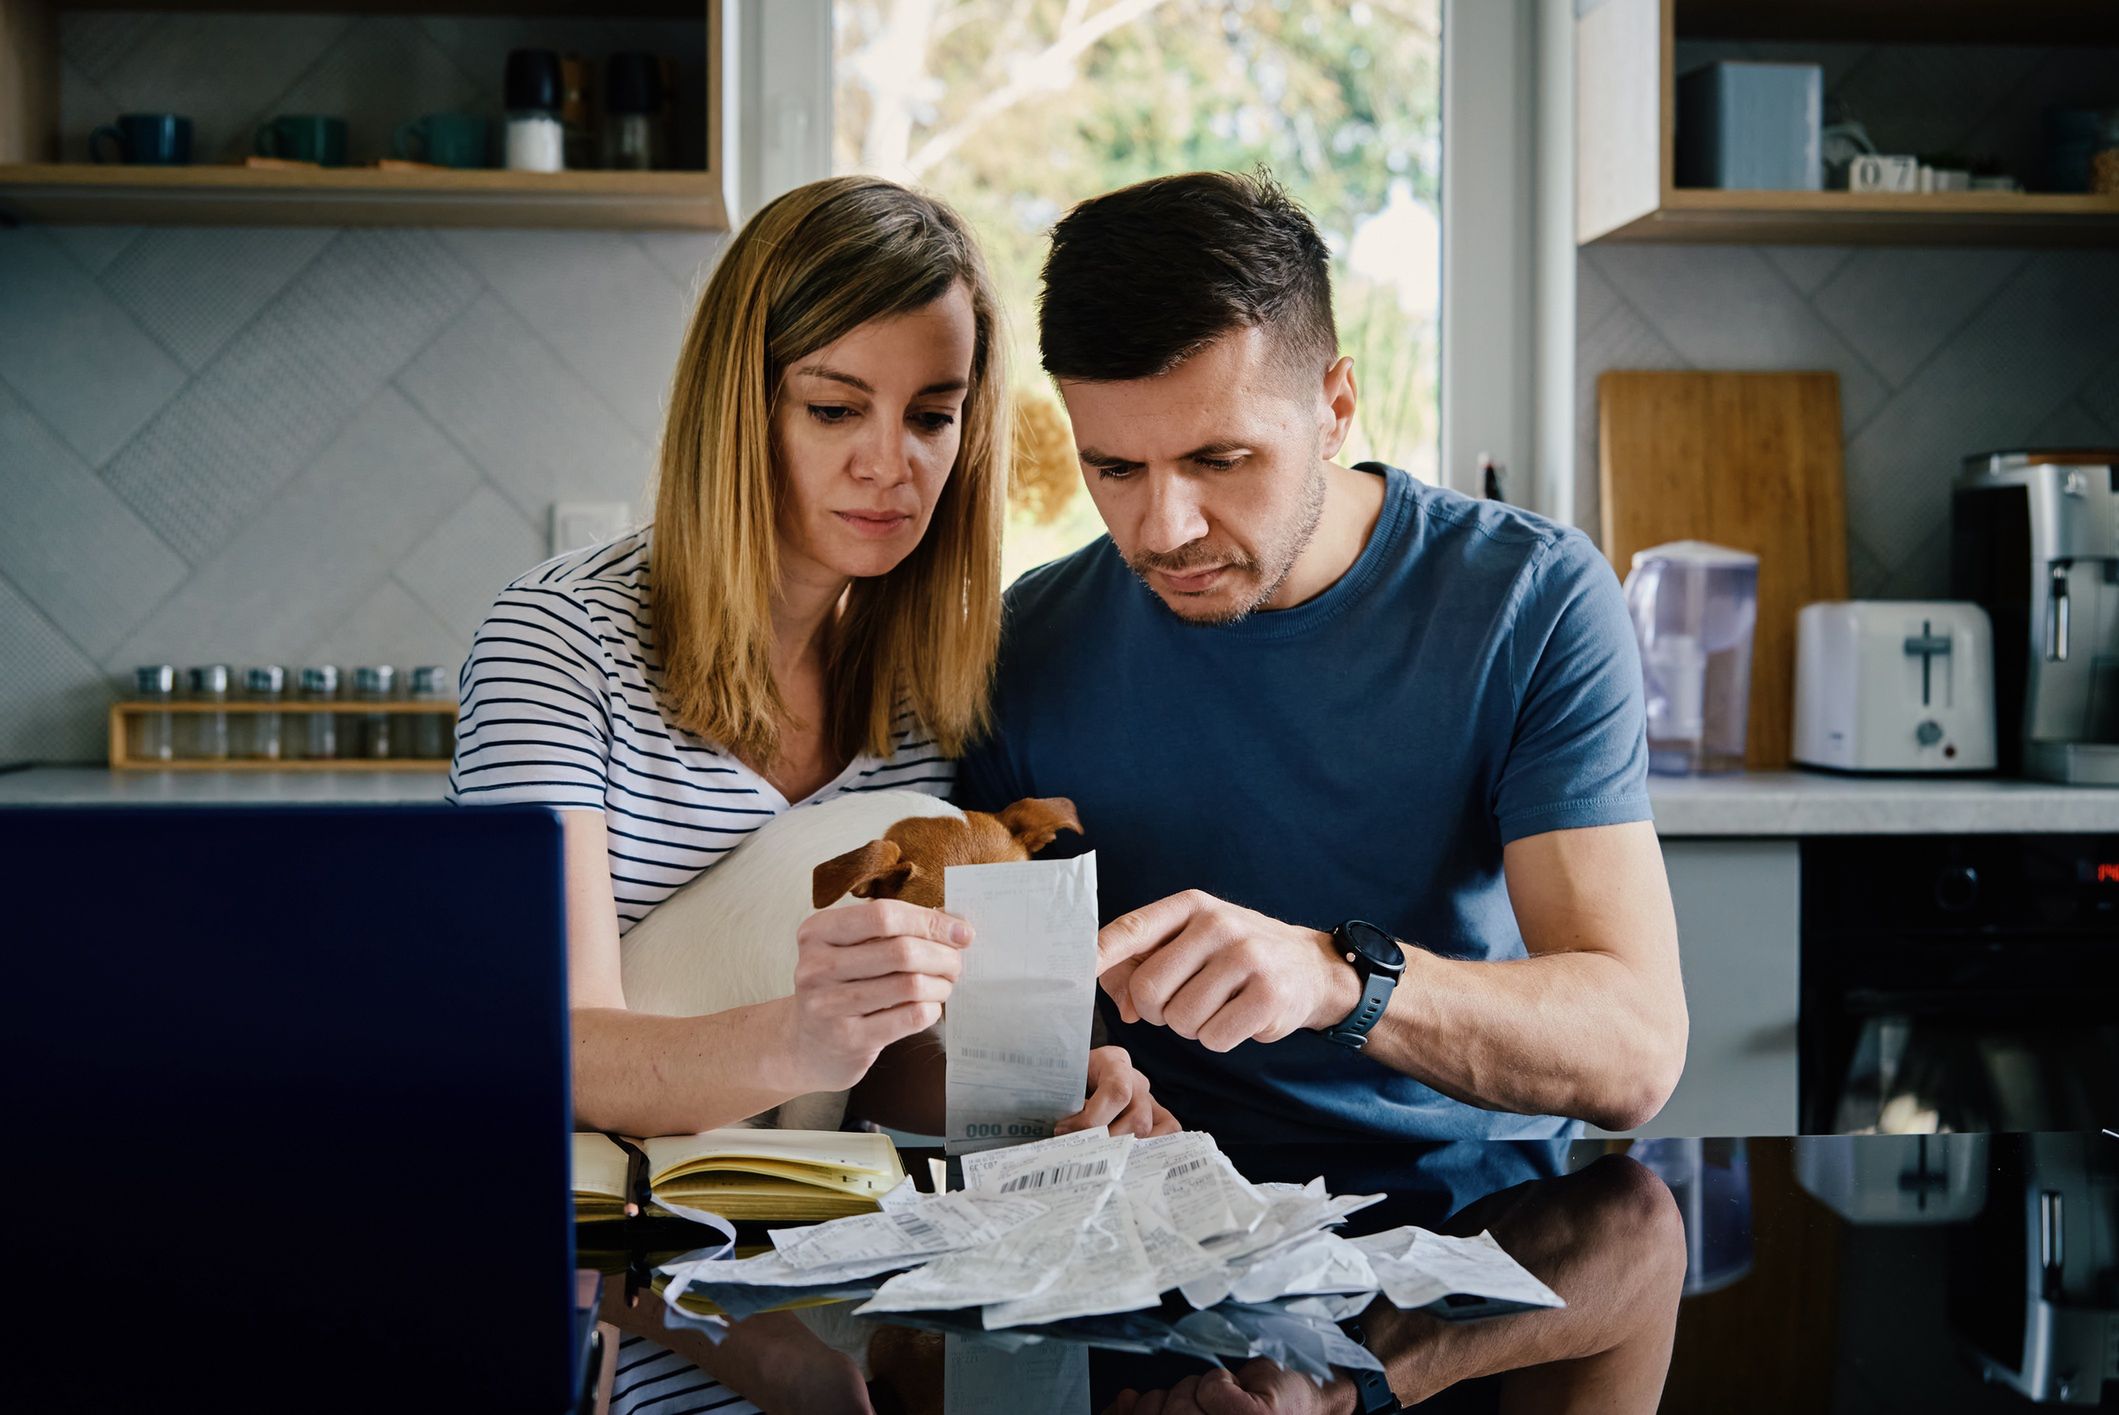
1415 1268
1016 1028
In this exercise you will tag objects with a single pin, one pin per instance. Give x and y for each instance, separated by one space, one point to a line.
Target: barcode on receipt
919 1230
1069 1173
1010 1058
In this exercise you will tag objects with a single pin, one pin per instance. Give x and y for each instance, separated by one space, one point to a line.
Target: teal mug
444 139
148 139
304 137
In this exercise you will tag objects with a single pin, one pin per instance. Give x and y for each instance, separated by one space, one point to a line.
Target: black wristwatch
1371 1388
1376 956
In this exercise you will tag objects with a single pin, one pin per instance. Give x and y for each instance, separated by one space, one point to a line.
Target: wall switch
582 523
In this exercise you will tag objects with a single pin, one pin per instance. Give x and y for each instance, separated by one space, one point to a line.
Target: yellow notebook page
849 1161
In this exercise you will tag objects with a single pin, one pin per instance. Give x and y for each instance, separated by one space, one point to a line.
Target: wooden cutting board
1746 460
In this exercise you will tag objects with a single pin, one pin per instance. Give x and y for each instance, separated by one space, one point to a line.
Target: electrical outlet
581 523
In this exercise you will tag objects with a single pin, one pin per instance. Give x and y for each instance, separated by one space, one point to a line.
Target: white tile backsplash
540 435
339 530
52 699
1940 352
69 544
194 287
72 353
451 571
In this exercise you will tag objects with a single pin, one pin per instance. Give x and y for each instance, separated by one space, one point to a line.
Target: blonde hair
811 266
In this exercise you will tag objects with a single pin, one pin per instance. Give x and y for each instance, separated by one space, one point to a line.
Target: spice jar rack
125 712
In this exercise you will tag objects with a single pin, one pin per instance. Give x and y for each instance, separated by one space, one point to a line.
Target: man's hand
1118 1098
1222 974
1259 1387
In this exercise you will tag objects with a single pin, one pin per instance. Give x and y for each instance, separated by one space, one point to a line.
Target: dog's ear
1036 820
875 868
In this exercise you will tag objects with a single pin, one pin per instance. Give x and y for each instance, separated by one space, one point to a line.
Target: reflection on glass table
1833 1274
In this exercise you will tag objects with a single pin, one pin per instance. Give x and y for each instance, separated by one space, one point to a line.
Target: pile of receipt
1058 1237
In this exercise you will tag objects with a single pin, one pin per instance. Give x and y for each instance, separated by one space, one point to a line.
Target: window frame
1498 360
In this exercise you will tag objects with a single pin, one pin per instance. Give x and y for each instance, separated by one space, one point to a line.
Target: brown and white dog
727 939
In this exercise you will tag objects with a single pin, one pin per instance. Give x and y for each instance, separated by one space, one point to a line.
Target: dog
727 939
908 861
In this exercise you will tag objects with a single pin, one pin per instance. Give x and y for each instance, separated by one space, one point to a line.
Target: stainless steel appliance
2034 1280
2035 539
2029 1267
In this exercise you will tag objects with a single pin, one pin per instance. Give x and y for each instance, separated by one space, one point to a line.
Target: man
1363 760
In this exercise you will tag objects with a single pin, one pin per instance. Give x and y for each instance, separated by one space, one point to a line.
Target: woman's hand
867 974
1118 1097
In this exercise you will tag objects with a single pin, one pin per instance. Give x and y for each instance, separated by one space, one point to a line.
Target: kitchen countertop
1749 804
1800 803
100 786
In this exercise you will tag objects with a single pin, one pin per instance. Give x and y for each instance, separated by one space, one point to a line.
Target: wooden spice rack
123 713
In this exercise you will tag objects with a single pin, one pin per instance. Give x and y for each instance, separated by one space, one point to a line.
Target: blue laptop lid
290 1099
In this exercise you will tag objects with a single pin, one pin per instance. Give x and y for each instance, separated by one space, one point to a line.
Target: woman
814 609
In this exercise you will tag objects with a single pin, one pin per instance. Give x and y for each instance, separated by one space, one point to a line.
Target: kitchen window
1013 112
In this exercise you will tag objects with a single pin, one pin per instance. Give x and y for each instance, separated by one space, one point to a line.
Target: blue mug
151 139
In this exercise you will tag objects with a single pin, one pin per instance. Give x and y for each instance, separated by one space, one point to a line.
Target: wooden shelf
359 196
1865 218
1625 129
291 764
287 707
594 9
1903 21
35 188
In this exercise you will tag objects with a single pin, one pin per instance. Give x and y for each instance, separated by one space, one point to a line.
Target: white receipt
1017 1024
982 1170
1023 1264
1108 1271
1416 1267
1318 1262
1032 1169
939 1223
1186 1177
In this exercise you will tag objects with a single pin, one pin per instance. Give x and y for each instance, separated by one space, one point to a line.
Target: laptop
289 1096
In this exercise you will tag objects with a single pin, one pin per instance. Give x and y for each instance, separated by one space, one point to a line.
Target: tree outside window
1013 110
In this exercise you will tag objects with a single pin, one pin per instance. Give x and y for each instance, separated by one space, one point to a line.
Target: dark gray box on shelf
1750 125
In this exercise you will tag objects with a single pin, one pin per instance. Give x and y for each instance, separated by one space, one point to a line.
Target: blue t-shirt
1470 680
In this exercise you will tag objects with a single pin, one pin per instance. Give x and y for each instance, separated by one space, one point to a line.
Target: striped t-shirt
559 709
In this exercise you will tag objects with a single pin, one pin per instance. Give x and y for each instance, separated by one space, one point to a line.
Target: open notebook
736 1173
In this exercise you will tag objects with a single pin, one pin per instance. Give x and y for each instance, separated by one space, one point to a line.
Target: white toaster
1894 685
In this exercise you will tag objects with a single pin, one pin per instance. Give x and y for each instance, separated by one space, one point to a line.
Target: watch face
1373 944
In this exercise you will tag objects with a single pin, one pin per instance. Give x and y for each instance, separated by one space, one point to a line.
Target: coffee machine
2035 539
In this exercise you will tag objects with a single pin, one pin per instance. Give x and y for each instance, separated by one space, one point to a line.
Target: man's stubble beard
1271 569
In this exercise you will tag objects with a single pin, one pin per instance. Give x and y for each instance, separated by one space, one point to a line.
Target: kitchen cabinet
1739 911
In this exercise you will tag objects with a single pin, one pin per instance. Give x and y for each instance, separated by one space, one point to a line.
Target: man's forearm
1579 1034
1609 1240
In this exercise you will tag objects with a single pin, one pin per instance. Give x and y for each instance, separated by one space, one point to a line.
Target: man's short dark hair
1142 278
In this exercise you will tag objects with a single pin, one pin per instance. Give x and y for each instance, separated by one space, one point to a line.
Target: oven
1959 983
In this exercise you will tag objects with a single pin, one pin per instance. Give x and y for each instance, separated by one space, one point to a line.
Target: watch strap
1371 1388
1376 991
